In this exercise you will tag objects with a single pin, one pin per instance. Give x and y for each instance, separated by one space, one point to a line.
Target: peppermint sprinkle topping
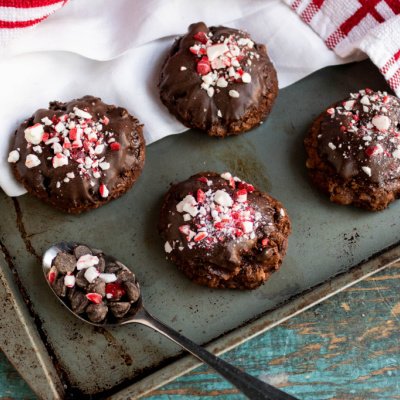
223 61
367 170
13 157
71 138
363 135
34 134
217 215
32 161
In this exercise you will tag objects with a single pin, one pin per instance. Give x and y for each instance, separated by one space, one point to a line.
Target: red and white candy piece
216 50
82 114
200 236
203 66
200 196
52 275
60 160
246 226
201 37
115 146
114 290
223 198
185 229
189 205
34 134
13 156
246 77
349 104
367 170
86 261
103 190
91 274
69 281
381 122
94 298
265 242
108 278
241 195
32 161
373 150
167 247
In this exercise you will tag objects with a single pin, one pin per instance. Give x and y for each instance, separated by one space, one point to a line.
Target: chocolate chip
78 301
98 286
132 291
81 250
81 280
59 287
65 263
124 275
101 266
112 268
97 312
119 309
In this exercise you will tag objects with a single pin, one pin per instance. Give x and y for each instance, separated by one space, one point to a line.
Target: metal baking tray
62 358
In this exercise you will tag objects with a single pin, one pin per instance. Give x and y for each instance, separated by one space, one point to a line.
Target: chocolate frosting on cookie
215 76
360 137
221 222
79 154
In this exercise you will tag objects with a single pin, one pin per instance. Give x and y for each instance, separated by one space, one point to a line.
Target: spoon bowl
250 386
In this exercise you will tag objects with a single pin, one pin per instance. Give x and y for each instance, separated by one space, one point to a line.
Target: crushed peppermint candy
13 156
32 161
369 135
219 215
223 60
72 138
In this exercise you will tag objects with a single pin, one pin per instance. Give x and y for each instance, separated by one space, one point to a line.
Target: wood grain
345 348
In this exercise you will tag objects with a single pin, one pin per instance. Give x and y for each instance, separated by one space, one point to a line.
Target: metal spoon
250 386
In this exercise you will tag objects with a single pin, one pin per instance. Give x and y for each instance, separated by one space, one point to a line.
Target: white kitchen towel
114 49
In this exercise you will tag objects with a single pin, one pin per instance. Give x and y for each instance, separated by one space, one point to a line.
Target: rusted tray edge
23 336
266 321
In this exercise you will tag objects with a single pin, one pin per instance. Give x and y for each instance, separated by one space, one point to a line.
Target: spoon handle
250 386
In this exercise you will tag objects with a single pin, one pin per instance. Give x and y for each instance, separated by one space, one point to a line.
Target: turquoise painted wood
345 348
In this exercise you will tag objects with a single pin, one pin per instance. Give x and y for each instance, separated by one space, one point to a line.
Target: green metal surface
327 239
345 348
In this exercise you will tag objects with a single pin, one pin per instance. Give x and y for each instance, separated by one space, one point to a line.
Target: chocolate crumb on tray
78 155
223 232
94 285
218 80
353 150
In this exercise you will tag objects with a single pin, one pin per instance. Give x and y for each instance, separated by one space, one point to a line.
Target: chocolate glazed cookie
353 150
78 155
218 80
222 232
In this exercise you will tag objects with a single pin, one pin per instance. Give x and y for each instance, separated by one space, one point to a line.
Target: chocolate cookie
78 155
222 232
218 80
353 150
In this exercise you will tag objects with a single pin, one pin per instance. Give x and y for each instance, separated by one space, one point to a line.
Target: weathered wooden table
348 347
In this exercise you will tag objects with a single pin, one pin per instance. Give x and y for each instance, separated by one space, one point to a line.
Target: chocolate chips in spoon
94 285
